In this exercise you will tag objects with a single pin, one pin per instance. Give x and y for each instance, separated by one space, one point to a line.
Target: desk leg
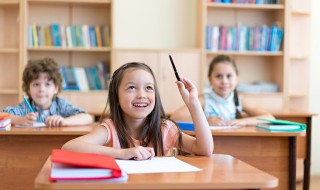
292 162
307 161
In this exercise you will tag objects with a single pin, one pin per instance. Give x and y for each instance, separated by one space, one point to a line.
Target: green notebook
281 125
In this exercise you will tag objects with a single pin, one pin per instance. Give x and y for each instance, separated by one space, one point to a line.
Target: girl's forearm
204 141
80 146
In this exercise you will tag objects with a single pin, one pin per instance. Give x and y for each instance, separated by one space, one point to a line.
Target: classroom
275 45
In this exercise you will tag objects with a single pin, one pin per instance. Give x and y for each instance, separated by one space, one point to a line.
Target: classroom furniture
24 150
219 172
303 142
187 47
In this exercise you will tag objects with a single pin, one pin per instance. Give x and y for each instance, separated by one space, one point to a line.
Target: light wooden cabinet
288 67
298 56
188 64
10 50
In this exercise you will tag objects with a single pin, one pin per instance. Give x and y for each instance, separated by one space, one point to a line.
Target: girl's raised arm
203 143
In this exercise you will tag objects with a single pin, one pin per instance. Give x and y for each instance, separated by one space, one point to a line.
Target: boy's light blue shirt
224 107
59 106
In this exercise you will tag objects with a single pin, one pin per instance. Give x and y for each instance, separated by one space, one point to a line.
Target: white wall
314 103
145 24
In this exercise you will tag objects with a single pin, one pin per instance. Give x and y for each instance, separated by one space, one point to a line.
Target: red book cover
70 165
4 116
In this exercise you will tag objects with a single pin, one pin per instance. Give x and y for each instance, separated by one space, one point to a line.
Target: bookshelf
10 50
70 13
280 67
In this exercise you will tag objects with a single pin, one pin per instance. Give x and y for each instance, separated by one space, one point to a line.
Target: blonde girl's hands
138 153
187 90
216 121
55 121
237 122
28 119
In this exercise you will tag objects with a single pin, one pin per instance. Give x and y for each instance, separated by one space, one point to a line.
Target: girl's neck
135 126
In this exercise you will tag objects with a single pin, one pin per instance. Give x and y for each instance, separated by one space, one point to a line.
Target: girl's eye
131 87
35 84
229 76
48 84
150 88
219 76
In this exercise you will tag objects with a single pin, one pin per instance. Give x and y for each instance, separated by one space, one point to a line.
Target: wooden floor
314 184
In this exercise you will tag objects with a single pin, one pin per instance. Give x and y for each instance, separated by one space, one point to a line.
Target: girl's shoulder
168 125
108 123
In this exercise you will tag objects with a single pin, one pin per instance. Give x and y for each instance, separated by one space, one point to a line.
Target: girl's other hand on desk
216 121
238 122
138 153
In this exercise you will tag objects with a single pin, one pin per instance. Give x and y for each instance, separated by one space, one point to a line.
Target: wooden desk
304 142
219 172
24 150
274 153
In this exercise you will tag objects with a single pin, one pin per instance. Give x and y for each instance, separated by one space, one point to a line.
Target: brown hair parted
35 67
228 60
151 132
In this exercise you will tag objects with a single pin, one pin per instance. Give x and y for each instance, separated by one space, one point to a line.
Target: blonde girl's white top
215 105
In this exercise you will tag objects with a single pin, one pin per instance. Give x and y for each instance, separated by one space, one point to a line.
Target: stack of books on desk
77 166
281 125
5 121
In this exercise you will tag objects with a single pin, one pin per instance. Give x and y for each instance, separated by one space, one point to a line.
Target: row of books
243 38
59 35
246 1
85 78
5 121
258 87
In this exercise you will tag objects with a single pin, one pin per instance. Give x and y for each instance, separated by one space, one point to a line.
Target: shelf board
75 49
246 53
8 91
300 12
266 94
72 1
246 6
9 2
9 50
301 95
299 57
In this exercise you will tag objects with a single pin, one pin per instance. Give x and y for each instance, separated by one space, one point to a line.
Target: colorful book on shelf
280 125
188 126
70 165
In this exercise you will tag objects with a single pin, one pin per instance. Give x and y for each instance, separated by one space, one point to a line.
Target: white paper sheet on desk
156 165
223 127
36 125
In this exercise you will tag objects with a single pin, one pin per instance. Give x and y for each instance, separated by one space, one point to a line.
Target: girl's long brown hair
151 132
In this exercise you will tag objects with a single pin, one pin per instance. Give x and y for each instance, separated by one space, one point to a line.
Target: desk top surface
219 172
81 130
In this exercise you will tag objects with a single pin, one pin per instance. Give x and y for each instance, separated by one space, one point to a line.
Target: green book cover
281 125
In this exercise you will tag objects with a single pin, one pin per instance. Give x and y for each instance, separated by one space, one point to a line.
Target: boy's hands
55 121
137 153
187 90
28 119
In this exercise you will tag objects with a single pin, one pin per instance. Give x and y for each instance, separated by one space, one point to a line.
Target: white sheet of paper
156 165
36 125
224 127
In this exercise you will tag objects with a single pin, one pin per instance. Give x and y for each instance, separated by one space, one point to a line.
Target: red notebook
70 165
